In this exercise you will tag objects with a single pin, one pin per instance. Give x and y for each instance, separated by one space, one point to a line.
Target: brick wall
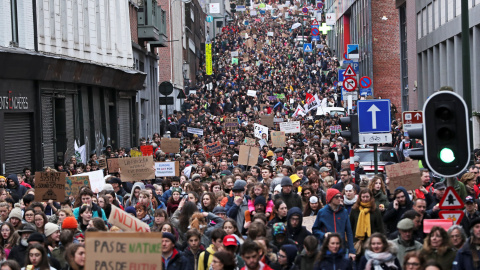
133 22
386 52
164 53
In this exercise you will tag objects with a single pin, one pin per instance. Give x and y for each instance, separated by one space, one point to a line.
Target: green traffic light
447 155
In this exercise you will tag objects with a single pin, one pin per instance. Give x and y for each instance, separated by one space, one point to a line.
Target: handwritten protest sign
164 169
102 163
278 139
405 174
267 120
137 168
147 150
126 222
248 155
50 186
197 131
96 180
308 222
112 165
135 153
252 93
290 127
249 141
231 122
170 145
259 131
126 250
213 149
74 183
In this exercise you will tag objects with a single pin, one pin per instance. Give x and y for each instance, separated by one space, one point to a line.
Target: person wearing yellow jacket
206 257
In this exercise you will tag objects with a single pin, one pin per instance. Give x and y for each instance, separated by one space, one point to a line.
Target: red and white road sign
454 215
315 22
451 200
412 117
349 83
349 71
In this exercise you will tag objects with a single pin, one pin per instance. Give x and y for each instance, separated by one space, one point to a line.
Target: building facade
373 24
66 79
439 51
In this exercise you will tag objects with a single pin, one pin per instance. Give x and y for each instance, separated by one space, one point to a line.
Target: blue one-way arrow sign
374 116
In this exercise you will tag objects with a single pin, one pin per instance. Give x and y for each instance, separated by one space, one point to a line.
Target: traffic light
233 7
350 128
446 133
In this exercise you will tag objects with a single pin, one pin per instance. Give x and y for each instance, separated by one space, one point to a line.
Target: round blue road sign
365 82
305 10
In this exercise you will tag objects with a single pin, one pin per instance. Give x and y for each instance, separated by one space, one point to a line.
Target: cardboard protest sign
126 250
137 168
308 222
290 127
278 139
252 93
135 153
259 131
248 155
267 120
249 141
170 145
74 183
277 119
96 180
126 222
405 174
231 122
112 165
197 131
102 163
213 149
147 150
50 186
164 169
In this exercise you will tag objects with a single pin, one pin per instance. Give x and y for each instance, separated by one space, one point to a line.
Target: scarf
376 259
346 201
363 222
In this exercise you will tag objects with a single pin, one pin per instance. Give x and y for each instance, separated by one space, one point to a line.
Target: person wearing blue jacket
465 258
332 255
334 218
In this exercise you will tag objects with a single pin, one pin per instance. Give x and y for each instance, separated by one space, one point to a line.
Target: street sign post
341 76
412 119
365 82
307 47
350 84
451 200
374 116
370 138
314 31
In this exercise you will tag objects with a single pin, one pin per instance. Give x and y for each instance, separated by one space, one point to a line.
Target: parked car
386 156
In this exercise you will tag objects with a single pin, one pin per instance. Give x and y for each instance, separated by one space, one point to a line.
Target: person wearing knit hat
171 257
70 223
15 217
131 210
52 232
288 195
334 218
270 153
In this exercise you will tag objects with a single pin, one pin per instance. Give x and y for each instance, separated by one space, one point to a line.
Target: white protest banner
270 34
290 127
259 130
252 93
163 169
197 131
234 54
330 18
96 180
312 103
299 111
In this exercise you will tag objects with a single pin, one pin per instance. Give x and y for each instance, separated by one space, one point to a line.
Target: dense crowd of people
219 214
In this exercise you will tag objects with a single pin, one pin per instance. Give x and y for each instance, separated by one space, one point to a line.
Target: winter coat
192 259
464 258
205 257
177 262
404 248
133 200
381 198
18 191
237 212
95 212
445 260
376 222
392 248
334 221
335 261
298 233
291 200
392 216
305 261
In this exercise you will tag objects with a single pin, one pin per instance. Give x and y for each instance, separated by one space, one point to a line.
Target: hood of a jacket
294 211
14 178
407 198
291 251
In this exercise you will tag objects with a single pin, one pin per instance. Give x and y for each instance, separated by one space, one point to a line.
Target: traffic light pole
375 158
467 83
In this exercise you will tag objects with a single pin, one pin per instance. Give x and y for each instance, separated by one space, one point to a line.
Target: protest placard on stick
50 186
137 168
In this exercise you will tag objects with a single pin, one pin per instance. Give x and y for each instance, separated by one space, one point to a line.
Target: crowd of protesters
219 214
